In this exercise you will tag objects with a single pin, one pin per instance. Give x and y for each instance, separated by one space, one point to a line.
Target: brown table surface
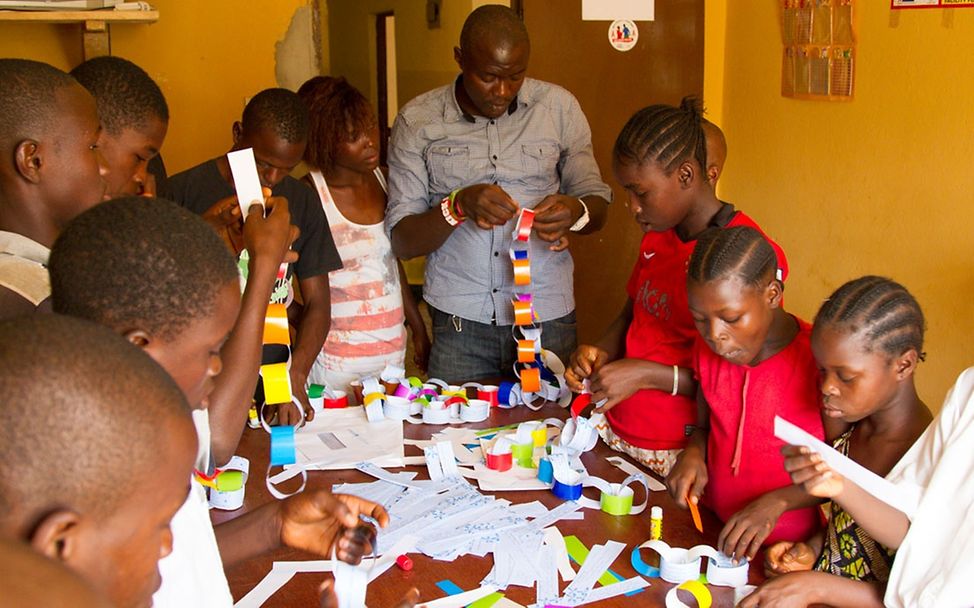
467 571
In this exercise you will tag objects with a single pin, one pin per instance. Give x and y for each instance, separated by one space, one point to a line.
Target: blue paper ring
565 491
546 472
642 567
504 392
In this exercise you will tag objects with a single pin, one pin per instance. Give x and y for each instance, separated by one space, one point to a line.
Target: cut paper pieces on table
899 497
341 438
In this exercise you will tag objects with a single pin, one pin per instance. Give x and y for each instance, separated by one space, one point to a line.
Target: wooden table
467 571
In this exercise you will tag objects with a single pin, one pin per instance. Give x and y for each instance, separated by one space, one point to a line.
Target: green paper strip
483 432
578 552
487 601
229 481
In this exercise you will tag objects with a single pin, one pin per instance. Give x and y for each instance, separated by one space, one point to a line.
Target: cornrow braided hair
741 252
667 134
879 309
338 113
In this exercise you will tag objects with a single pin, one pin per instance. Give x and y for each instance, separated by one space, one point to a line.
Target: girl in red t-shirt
642 364
754 362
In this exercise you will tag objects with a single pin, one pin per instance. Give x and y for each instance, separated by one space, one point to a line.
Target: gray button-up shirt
542 146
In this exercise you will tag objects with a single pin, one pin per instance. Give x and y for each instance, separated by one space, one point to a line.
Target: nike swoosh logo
647 256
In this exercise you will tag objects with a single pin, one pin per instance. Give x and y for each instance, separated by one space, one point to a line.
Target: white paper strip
246 182
274 580
898 497
554 538
631 469
627 586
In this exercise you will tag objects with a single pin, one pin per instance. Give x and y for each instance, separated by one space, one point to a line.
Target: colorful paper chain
526 322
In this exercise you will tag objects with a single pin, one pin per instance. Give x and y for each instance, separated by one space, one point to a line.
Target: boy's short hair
126 95
28 99
137 263
280 111
81 410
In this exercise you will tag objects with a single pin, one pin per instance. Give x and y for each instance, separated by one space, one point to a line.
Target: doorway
387 86
665 65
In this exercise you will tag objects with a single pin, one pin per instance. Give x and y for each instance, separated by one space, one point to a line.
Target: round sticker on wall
623 34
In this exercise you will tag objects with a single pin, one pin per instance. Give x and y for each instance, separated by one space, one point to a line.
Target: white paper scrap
246 182
622 587
599 560
630 469
554 539
898 497
261 592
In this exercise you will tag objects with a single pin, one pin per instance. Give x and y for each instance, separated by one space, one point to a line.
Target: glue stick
655 532
656 523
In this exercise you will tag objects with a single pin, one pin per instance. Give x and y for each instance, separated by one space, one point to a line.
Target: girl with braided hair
868 341
753 361
641 365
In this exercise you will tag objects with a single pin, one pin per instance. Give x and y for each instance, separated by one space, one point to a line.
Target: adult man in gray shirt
464 158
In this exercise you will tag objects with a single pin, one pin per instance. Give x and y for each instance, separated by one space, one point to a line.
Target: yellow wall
424 56
207 57
879 185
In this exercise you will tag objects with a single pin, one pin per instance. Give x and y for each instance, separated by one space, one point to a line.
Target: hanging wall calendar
818 58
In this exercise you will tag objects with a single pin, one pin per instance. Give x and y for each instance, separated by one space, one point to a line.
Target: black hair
280 111
881 310
28 100
82 410
137 263
126 95
740 251
666 134
338 112
493 22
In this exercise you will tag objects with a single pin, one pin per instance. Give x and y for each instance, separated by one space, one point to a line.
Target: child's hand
746 530
287 413
271 237
317 520
786 556
809 470
795 590
421 349
617 381
224 217
487 205
584 361
688 477
330 600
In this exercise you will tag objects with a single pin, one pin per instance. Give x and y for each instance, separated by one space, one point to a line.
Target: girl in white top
934 563
370 298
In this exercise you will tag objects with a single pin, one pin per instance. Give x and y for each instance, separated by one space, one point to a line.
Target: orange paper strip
525 351
531 380
695 514
275 325
522 313
522 272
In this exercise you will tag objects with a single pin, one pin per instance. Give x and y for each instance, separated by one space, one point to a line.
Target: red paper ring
490 396
336 403
500 462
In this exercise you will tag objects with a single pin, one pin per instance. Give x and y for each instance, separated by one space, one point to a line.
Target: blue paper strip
282 446
449 587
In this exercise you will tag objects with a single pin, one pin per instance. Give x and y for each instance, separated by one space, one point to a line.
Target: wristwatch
582 221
